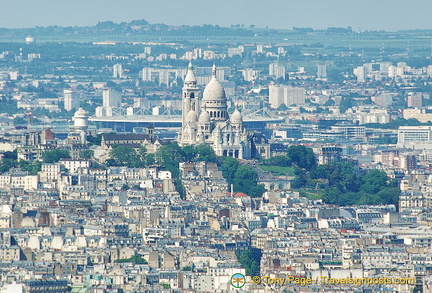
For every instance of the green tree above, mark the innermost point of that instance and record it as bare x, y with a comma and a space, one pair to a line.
10, 155
229, 169
345, 104
189, 153
204, 152
299, 181
126, 156
282, 107
374, 181
331, 195
95, 140
329, 102
257, 190
87, 154
169, 156
250, 260
32, 167
53, 156
301, 156
134, 259
7, 164
20, 121
8, 105
390, 195
149, 159
245, 180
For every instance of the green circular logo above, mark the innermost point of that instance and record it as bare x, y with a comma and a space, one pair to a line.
238, 280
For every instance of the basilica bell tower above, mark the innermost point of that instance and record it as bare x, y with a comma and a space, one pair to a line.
190, 94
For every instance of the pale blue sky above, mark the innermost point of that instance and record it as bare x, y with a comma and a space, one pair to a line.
366, 14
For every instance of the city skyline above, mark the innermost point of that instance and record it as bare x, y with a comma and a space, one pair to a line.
386, 15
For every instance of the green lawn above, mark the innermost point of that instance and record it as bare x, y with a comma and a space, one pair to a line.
311, 194
278, 170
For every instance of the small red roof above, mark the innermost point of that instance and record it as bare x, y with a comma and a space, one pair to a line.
238, 194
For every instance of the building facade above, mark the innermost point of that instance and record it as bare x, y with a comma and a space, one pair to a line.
71, 100
210, 122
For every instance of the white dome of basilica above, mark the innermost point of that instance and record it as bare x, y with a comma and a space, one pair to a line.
214, 91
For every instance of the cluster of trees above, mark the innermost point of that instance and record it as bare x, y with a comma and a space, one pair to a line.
10, 160
128, 156
394, 124
302, 157
53, 156
95, 140
250, 259
169, 156
346, 187
32, 167
243, 178
9, 105
339, 182
297, 155
134, 259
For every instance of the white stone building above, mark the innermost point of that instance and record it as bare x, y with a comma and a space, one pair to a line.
213, 125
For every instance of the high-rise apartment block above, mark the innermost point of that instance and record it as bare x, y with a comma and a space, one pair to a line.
321, 71
277, 70
287, 95
71, 100
250, 74
415, 100
111, 98
117, 71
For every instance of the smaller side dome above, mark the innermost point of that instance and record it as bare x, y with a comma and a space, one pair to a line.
204, 117
191, 116
236, 117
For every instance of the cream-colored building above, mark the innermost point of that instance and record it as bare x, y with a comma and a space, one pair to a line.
213, 125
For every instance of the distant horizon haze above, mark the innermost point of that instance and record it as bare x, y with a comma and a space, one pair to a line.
279, 14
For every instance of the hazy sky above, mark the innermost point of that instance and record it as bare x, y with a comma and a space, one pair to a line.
366, 14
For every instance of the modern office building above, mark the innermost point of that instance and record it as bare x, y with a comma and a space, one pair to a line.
415, 137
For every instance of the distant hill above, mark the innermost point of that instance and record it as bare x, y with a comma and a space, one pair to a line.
135, 27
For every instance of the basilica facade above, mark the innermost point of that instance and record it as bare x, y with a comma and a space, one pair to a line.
207, 121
